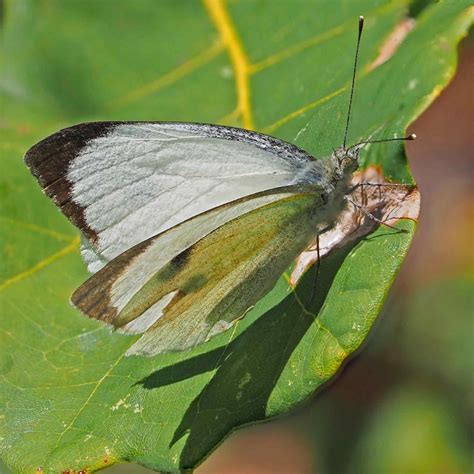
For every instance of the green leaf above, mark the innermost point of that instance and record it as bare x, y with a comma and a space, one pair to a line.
69, 397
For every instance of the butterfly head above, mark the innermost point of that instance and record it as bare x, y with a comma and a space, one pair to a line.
346, 159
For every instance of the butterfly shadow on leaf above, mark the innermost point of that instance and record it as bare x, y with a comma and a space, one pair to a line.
247, 369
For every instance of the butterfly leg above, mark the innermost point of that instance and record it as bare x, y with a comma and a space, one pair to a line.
371, 216
378, 185
318, 267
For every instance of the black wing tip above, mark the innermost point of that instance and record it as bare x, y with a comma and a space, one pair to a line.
76, 136
49, 161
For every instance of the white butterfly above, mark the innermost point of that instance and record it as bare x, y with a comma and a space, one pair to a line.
186, 226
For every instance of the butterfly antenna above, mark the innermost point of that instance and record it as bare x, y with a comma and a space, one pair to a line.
361, 26
410, 137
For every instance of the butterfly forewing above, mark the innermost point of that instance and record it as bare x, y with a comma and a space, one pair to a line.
123, 182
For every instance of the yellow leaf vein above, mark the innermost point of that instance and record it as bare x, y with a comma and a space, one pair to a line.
220, 17
36, 228
169, 78
84, 405
40, 265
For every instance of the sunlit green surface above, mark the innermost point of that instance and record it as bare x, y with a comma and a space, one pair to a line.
71, 399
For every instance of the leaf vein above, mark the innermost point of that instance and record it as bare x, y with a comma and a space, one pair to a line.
39, 229
40, 265
84, 405
316, 40
168, 79
220, 17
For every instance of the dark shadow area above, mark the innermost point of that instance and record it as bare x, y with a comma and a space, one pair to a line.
247, 369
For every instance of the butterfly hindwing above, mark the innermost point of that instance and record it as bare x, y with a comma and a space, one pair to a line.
106, 294
204, 288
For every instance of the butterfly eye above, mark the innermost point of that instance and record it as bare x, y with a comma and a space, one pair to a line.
339, 153
353, 154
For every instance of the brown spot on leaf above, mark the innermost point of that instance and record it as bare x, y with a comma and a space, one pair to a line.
24, 129
393, 42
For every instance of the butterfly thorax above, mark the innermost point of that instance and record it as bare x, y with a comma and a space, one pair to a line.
331, 175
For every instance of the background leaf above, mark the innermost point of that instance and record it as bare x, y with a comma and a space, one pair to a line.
70, 398
411, 417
